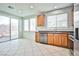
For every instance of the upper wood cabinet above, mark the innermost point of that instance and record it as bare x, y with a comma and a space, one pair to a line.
40, 20
50, 38
37, 37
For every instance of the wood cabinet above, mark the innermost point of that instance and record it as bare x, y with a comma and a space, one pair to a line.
64, 40
37, 36
57, 39
40, 20
70, 43
50, 38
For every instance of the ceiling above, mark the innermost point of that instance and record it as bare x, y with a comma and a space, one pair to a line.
26, 9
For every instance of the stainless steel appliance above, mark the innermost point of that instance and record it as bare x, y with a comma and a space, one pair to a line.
43, 37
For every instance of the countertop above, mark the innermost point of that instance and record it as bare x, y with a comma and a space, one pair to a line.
55, 29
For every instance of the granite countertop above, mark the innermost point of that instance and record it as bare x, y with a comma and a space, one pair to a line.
56, 29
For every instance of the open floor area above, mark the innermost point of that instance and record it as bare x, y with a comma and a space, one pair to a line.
27, 47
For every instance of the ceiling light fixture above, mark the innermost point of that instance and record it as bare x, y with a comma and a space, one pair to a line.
31, 6
20, 11
55, 7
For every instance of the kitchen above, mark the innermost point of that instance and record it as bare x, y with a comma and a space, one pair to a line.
56, 27
37, 29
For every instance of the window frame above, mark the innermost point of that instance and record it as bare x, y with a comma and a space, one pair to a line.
24, 25
56, 20
29, 23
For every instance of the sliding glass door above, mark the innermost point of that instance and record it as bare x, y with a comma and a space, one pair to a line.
4, 28
8, 28
14, 28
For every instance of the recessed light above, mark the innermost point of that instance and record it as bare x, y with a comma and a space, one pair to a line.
31, 6
55, 6
19, 11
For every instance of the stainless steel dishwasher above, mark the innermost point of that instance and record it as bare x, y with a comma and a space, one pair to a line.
43, 37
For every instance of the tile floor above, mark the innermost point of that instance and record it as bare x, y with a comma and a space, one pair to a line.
26, 47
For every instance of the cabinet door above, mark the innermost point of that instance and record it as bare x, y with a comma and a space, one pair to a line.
37, 36
64, 40
70, 43
57, 39
40, 20
50, 38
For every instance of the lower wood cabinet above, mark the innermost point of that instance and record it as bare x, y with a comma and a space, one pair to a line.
50, 38
37, 37
64, 40
71, 43
57, 39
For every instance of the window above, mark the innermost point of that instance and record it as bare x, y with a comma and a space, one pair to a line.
76, 15
8, 28
57, 21
26, 25
14, 28
51, 21
32, 24
76, 18
62, 20
4, 28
